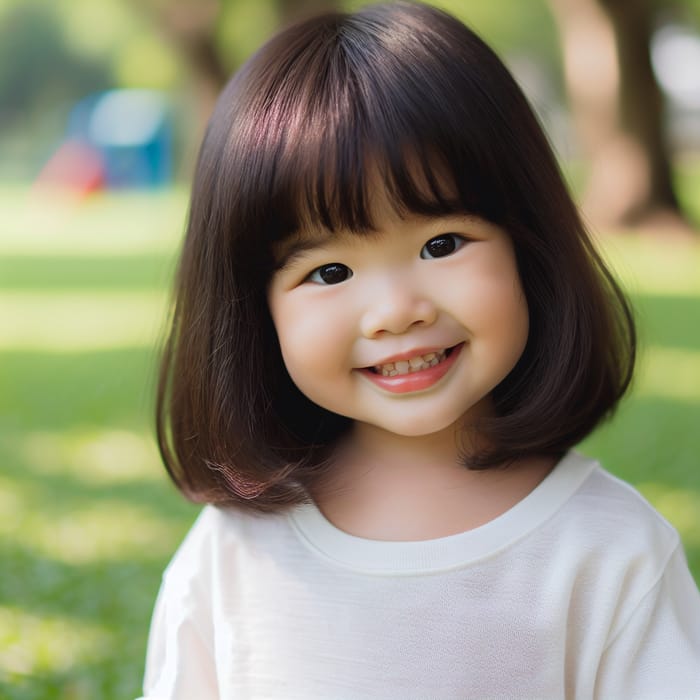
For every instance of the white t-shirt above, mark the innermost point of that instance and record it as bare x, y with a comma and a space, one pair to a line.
579, 591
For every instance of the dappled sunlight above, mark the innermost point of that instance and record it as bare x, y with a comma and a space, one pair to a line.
106, 531
30, 644
13, 503
95, 457
670, 373
69, 322
679, 506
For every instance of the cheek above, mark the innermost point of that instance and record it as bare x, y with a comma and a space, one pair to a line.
311, 341
499, 318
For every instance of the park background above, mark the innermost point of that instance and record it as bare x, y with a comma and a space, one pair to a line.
88, 518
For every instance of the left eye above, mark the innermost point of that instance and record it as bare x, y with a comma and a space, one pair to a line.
440, 246
333, 273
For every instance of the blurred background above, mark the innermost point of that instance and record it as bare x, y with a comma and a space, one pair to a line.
102, 106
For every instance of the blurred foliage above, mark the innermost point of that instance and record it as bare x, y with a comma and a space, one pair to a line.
53, 52
62, 51
509, 25
242, 27
39, 65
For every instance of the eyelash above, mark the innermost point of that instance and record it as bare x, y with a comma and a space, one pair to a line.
457, 241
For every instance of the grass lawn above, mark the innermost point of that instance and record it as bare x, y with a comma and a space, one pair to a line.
88, 517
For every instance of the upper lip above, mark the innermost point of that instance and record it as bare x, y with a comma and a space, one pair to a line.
417, 352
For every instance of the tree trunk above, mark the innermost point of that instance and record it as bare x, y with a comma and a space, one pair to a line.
189, 25
618, 111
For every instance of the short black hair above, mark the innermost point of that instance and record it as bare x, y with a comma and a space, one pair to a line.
405, 90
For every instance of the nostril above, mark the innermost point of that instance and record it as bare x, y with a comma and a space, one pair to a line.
397, 312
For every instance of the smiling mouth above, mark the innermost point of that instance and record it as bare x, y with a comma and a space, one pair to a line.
413, 364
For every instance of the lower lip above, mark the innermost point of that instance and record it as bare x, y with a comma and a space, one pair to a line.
414, 381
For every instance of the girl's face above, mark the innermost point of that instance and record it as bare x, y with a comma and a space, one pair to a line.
408, 329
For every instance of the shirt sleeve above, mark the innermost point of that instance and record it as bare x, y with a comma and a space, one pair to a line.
180, 660
656, 653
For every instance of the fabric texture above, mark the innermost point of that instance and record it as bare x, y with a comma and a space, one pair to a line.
579, 591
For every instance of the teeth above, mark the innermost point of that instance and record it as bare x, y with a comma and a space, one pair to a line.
414, 364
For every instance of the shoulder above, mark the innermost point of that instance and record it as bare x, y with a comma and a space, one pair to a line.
609, 550
612, 538
585, 507
221, 536
617, 514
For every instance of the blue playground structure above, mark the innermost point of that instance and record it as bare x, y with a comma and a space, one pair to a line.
115, 139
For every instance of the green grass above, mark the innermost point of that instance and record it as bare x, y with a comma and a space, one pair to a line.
88, 517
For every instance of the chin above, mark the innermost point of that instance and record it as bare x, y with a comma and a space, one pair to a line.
416, 426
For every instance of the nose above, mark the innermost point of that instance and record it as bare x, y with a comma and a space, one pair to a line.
395, 308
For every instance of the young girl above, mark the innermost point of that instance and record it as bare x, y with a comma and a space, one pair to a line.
390, 330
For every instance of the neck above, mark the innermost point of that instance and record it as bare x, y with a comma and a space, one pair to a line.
387, 486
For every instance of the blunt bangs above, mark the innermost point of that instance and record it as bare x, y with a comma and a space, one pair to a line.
334, 106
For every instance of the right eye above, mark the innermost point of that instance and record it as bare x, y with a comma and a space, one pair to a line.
333, 273
441, 246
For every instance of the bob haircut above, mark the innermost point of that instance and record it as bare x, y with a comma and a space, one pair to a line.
406, 91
